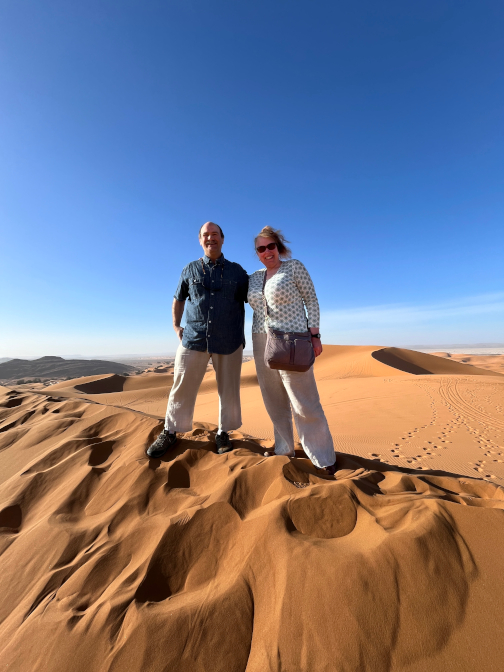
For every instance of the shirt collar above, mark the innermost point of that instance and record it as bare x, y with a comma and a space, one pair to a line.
217, 262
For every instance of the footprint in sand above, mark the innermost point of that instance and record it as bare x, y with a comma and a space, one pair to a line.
325, 517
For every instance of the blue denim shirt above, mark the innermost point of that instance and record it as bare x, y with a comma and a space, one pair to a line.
215, 310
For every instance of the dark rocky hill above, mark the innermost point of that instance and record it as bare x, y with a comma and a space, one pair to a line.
57, 367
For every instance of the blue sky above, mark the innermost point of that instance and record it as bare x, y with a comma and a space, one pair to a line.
370, 133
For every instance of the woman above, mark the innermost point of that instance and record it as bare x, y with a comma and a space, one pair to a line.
288, 289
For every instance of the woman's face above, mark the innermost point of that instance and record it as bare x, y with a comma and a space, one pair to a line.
269, 258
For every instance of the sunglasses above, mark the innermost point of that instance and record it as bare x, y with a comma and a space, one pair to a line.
263, 248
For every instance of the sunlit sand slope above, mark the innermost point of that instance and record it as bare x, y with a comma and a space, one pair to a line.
489, 362
443, 419
110, 562
371, 361
149, 392
418, 363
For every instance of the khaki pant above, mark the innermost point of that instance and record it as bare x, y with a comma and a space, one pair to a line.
190, 367
289, 392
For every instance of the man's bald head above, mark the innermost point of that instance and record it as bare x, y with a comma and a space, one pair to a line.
213, 224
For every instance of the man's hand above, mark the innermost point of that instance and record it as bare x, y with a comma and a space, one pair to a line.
177, 312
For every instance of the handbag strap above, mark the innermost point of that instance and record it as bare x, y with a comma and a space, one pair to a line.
265, 302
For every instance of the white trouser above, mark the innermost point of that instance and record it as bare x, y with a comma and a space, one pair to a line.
289, 392
190, 367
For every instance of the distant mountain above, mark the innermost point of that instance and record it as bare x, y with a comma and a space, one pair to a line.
57, 367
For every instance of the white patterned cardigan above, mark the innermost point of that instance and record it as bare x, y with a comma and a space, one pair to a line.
288, 292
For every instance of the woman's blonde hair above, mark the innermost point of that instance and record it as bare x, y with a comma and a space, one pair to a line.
277, 236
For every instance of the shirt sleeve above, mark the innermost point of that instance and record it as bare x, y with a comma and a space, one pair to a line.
182, 291
244, 285
305, 286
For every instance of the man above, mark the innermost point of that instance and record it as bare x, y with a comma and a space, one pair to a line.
216, 290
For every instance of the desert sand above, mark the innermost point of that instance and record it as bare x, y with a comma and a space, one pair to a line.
111, 562
490, 362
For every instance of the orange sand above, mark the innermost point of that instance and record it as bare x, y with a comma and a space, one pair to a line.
111, 562
490, 362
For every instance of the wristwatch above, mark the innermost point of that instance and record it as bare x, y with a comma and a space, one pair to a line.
316, 336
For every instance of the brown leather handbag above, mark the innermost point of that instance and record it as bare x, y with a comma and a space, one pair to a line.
287, 350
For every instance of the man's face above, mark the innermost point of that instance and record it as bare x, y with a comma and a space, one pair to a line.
211, 240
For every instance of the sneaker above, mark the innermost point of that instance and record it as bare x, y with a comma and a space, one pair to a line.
162, 444
223, 443
332, 469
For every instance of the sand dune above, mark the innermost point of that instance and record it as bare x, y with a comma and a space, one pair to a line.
374, 409
419, 363
111, 562
107, 383
489, 362
372, 361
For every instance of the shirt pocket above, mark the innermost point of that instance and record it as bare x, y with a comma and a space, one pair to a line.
229, 289
196, 290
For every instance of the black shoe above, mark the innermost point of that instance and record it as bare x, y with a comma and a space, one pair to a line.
162, 444
332, 469
223, 443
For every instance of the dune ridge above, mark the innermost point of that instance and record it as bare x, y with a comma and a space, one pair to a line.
489, 362
374, 409
112, 562
420, 363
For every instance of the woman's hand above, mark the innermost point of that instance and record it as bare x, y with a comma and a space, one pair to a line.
317, 346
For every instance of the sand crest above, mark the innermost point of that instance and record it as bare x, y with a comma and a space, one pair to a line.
490, 362
111, 562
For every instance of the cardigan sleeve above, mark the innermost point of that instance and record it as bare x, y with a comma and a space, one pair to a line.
305, 286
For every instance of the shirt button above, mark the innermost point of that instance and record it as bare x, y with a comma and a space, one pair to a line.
211, 294
211, 307
209, 321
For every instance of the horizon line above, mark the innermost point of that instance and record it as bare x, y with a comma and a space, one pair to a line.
423, 346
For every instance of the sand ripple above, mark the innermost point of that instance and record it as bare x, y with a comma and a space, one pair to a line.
113, 562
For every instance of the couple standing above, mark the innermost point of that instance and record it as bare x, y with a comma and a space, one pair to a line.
216, 290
